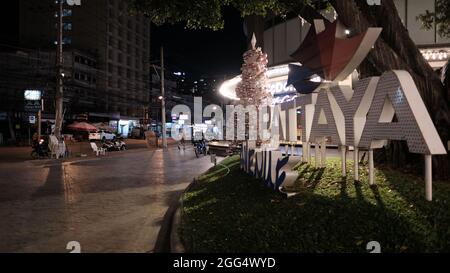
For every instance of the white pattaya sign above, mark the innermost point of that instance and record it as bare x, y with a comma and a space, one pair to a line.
376, 110
362, 116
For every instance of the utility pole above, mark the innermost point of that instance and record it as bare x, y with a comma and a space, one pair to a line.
59, 96
146, 118
39, 118
163, 102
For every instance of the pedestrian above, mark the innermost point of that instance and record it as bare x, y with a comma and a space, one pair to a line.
182, 142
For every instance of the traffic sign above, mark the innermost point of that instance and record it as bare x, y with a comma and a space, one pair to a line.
32, 119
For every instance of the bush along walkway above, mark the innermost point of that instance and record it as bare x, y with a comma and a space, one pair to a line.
233, 212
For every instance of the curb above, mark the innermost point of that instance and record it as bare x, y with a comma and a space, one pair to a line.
162, 244
176, 246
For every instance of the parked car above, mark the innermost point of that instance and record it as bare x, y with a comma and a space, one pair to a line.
102, 135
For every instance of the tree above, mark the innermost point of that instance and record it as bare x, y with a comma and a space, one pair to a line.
393, 50
200, 13
440, 18
252, 90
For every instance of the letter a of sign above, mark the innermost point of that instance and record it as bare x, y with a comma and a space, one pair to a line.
413, 122
324, 124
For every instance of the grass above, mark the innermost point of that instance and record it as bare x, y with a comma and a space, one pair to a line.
233, 212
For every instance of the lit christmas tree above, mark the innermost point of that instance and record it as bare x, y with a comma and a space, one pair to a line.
252, 89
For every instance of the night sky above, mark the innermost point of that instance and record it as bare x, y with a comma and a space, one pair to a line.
202, 53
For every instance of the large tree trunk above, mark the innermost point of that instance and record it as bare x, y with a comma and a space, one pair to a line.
395, 50
446, 78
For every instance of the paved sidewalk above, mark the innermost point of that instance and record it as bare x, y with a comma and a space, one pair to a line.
108, 204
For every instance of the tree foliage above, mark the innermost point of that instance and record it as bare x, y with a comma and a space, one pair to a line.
199, 14
439, 17
208, 13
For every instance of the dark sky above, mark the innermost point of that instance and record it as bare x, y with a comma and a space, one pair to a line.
202, 52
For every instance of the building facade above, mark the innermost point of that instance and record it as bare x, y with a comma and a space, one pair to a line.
22, 70
282, 37
106, 58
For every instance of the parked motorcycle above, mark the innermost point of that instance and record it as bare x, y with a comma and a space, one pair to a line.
116, 145
200, 148
40, 149
120, 144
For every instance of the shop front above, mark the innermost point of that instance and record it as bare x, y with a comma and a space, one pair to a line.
125, 126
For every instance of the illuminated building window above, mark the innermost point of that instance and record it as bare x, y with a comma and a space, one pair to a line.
67, 26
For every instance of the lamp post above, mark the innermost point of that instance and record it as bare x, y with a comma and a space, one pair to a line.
163, 103
59, 96
59, 92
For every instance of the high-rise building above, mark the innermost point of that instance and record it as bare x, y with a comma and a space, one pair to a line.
104, 28
106, 57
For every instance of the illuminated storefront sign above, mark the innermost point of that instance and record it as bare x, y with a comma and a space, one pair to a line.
279, 87
32, 101
276, 83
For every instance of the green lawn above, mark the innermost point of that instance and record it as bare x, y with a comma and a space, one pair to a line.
232, 212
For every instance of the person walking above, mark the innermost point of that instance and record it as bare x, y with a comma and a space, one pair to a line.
182, 142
